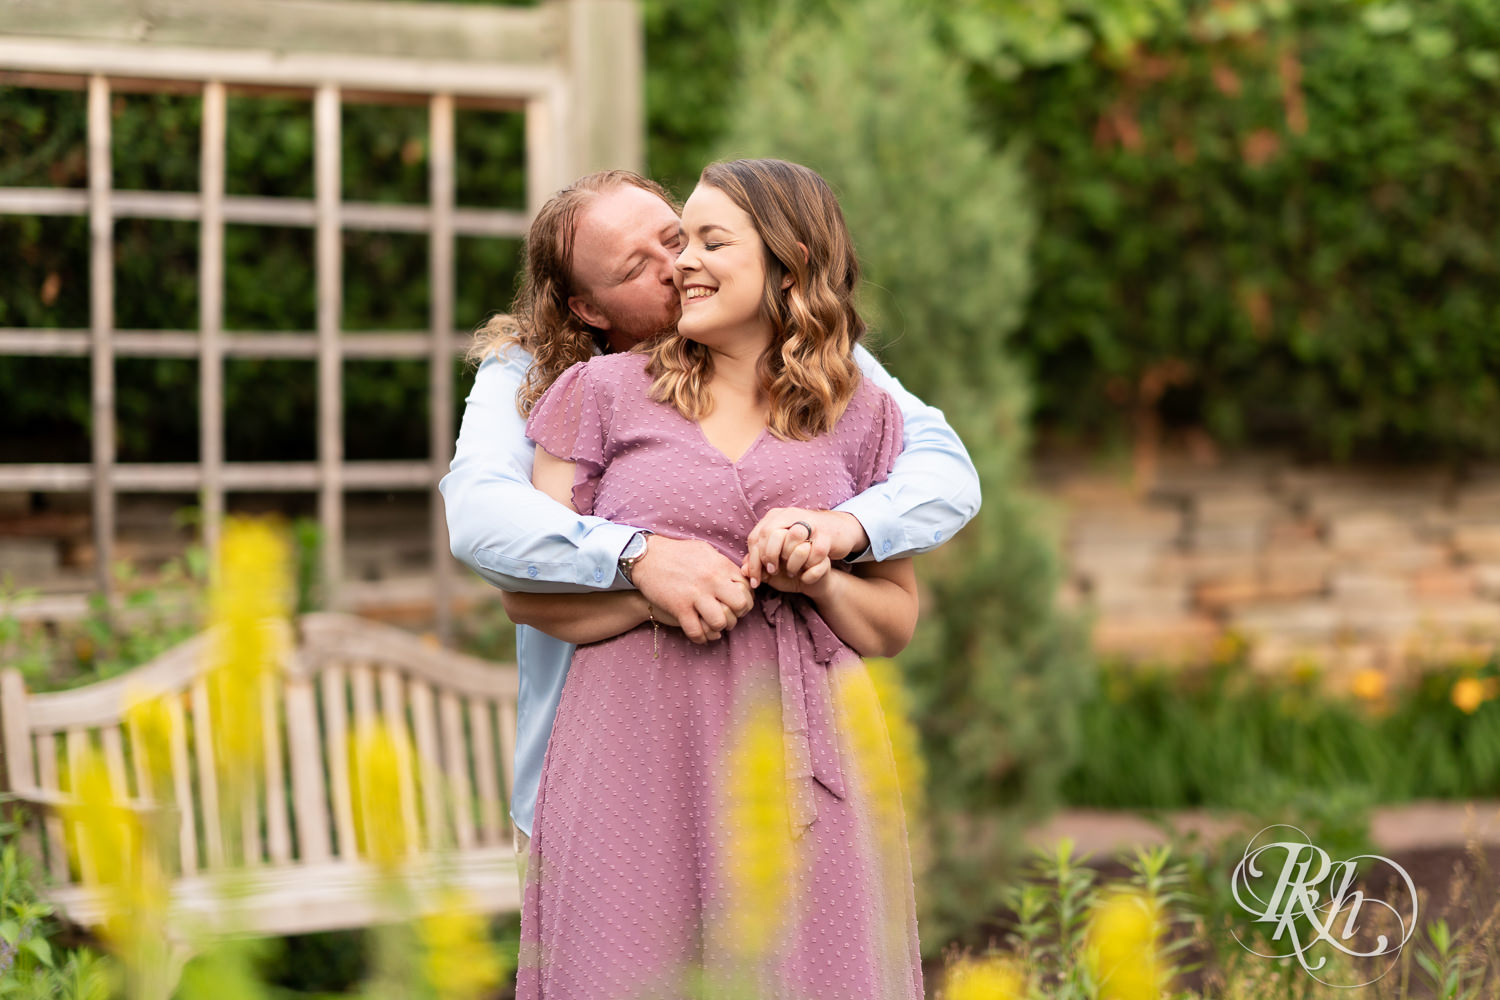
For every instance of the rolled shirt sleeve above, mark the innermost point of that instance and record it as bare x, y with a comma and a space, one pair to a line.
510, 533
933, 490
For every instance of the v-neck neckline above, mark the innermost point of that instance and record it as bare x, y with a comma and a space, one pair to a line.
720, 452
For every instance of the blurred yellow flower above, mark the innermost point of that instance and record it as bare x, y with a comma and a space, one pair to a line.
111, 846
762, 855
1369, 684
250, 594
1305, 669
1122, 943
1229, 647
458, 959
149, 723
911, 770
988, 978
1471, 692
379, 827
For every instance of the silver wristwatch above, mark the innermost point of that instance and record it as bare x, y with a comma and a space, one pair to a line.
631, 554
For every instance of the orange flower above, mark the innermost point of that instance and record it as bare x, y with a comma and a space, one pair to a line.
1471, 692
1368, 685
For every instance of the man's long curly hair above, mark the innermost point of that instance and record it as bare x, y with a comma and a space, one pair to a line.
808, 372
540, 320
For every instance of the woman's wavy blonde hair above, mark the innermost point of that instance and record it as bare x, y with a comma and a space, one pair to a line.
540, 320
808, 371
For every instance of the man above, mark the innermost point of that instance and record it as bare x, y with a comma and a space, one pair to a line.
598, 276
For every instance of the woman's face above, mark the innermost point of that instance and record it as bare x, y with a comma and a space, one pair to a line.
721, 274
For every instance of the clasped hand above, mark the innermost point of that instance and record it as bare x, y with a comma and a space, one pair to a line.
688, 583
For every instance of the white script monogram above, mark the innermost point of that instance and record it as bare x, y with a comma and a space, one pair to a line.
1311, 930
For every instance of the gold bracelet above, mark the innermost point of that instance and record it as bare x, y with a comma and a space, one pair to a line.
655, 632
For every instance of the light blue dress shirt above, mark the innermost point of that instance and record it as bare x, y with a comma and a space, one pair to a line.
520, 539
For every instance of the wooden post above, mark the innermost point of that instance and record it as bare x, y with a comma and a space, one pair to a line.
211, 316
330, 267
101, 326
440, 397
606, 67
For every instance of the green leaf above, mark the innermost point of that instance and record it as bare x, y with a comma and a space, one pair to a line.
41, 949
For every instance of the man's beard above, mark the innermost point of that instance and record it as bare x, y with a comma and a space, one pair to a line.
646, 342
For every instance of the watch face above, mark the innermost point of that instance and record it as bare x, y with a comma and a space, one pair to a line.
635, 548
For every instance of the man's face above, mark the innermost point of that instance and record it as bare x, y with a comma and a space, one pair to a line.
623, 251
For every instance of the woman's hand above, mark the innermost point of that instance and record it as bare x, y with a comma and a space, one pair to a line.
800, 574
793, 541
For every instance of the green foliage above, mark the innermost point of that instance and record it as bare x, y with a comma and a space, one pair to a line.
863, 95
1049, 941
31, 968
1267, 219
1224, 737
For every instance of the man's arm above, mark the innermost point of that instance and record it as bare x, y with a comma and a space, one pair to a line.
500, 526
933, 489
932, 492
520, 539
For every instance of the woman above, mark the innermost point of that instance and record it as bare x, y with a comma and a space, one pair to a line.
754, 403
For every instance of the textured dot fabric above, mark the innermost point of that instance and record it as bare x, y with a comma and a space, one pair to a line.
652, 875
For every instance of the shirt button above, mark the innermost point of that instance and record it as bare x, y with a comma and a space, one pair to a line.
598, 575
531, 571
885, 546
937, 536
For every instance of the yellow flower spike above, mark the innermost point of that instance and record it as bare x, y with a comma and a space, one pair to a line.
458, 960
376, 790
251, 591
988, 978
1122, 943
1468, 694
150, 723
113, 853
1368, 685
762, 857
911, 770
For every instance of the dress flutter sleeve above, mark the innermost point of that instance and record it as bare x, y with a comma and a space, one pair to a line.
570, 422
881, 444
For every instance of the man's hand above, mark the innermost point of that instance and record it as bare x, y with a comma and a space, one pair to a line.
778, 545
692, 582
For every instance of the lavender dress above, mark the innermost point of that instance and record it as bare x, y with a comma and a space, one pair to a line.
630, 891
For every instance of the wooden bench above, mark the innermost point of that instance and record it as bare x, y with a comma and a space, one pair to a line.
302, 868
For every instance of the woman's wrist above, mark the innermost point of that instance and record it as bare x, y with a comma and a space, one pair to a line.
827, 588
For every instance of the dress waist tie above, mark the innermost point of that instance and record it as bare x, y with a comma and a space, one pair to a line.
805, 648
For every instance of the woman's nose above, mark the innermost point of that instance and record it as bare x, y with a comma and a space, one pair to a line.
686, 261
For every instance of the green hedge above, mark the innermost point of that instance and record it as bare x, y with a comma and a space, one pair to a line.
1276, 221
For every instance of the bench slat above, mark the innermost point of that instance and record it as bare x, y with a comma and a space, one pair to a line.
208, 778
308, 801
336, 743
508, 750
393, 708
456, 766
52, 825
484, 772
429, 774
77, 747
182, 788
278, 833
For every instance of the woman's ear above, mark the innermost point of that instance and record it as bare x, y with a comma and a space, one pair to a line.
788, 281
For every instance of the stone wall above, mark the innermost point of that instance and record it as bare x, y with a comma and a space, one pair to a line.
1345, 568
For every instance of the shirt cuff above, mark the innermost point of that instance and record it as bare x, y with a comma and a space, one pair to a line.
887, 536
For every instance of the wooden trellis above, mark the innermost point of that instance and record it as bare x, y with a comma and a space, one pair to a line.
572, 66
